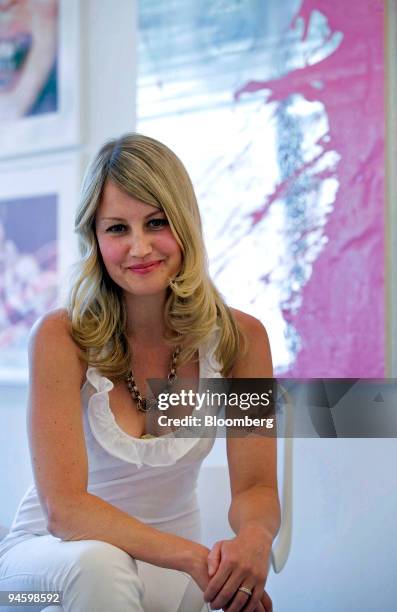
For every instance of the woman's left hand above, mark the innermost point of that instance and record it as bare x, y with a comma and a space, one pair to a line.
241, 561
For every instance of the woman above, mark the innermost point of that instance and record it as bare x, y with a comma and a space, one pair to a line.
112, 520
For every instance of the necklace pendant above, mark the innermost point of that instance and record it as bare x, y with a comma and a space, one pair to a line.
145, 405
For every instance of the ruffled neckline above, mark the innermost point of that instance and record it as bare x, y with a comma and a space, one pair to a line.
157, 451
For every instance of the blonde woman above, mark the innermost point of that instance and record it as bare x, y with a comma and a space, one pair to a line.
112, 520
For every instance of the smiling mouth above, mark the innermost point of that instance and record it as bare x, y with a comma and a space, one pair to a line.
146, 269
13, 54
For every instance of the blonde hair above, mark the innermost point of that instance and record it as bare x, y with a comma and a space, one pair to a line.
148, 171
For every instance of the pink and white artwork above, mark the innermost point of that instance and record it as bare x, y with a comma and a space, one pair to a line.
276, 110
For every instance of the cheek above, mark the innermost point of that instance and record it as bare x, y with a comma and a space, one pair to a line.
166, 241
111, 251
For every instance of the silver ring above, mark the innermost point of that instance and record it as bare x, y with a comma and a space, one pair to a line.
245, 590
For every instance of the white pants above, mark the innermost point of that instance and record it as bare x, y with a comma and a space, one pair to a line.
93, 576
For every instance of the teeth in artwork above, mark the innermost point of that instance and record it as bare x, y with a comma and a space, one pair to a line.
13, 53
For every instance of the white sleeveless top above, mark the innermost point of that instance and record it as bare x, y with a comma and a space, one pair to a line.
153, 479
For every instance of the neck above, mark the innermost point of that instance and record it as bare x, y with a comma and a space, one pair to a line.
145, 319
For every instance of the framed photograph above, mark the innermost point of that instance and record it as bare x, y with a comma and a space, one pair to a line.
40, 76
37, 247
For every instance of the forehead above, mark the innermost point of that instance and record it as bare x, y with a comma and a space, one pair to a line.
116, 202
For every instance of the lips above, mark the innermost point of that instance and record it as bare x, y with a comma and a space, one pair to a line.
150, 264
145, 268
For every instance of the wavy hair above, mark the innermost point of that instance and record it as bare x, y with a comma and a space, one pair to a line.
148, 171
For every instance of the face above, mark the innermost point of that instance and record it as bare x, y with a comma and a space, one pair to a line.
132, 234
28, 46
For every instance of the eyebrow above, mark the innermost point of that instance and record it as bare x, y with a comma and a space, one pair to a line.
156, 212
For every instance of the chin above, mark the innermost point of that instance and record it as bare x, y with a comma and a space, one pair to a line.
146, 291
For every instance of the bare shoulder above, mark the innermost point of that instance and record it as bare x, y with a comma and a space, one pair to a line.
251, 326
53, 323
247, 321
54, 316
51, 335
257, 362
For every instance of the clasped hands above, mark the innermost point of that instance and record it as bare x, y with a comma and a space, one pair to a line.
240, 561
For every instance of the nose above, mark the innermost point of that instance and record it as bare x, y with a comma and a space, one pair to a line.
140, 245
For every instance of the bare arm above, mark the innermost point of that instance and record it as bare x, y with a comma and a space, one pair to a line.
253, 460
88, 517
254, 512
59, 458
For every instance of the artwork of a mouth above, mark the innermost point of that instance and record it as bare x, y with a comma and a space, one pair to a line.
13, 54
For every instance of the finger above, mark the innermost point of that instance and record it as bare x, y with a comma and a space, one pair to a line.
231, 598
255, 599
217, 582
237, 602
266, 602
214, 559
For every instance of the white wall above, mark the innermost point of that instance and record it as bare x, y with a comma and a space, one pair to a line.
15, 470
108, 75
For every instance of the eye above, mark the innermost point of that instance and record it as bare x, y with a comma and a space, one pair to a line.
116, 229
157, 223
